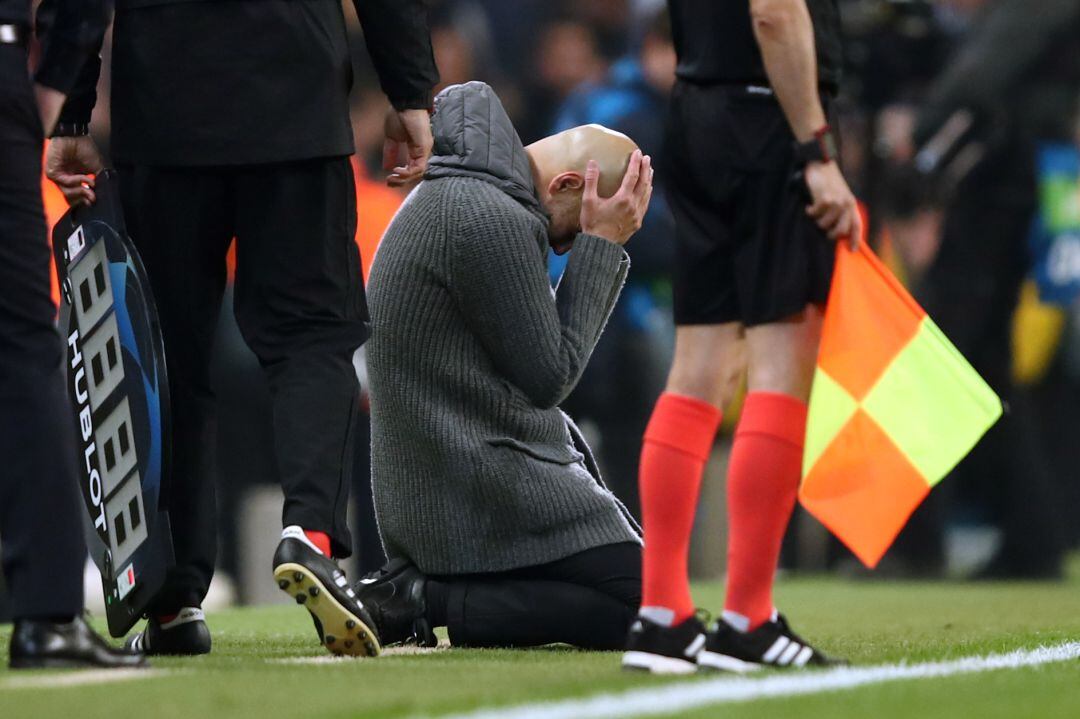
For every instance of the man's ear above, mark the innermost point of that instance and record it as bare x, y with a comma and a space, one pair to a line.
566, 182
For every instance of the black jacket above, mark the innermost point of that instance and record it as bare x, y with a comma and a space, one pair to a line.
205, 82
71, 31
1018, 65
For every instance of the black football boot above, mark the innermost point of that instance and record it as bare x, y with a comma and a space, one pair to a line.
394, 596
186, 634
342, 621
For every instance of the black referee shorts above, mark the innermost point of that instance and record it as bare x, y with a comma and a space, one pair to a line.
746, 250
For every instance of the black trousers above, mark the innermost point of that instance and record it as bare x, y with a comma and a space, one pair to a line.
369, 548
41, 526
299, 303
587, 599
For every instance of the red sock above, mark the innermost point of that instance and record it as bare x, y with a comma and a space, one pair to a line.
677, 444
320, 540
763, 479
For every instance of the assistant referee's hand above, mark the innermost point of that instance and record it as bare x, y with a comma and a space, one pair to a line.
833, 204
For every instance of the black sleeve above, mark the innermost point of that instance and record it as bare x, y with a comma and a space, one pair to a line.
399, 42
71, 34
1011, 37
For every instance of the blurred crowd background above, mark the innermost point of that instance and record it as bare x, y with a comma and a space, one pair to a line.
959, 131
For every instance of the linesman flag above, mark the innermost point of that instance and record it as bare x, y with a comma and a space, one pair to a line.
894, 408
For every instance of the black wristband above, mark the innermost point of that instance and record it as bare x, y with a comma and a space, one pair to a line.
822, 148
71, 129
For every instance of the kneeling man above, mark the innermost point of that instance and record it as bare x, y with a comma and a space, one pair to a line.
489, 503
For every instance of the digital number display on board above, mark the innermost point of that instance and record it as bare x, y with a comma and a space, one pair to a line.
116, 379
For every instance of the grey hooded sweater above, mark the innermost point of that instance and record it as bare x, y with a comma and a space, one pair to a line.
474, 468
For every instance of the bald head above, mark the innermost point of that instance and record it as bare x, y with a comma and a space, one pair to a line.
558, 169
570, 150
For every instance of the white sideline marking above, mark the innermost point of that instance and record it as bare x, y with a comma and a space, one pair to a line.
409, 650
683, 696
328, 659
387, 652
79, 677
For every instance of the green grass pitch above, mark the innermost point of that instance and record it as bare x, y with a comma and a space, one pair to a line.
868, 622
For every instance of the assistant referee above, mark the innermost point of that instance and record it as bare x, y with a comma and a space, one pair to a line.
41, 517
758, 197
230, 118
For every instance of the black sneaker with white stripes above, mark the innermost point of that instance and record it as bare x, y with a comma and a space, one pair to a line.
186, 634
658, 649
773, 644
316, 582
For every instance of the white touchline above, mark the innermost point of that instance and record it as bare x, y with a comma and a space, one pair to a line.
386, 652
687, 695
79, 678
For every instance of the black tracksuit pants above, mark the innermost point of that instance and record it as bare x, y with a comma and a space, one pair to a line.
41, 523
587, 599
299, 302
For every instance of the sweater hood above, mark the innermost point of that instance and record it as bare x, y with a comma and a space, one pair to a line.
475, 138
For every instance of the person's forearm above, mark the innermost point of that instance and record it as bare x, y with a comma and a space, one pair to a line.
71, 34
83, 97
997, 54
785, 34
399, 42
49, 103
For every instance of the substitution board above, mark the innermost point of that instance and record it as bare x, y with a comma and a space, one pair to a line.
117, 382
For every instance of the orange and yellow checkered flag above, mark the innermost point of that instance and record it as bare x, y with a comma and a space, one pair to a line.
894, 408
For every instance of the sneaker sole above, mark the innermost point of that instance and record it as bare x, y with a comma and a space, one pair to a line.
344, 633
657, 663
724, 663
